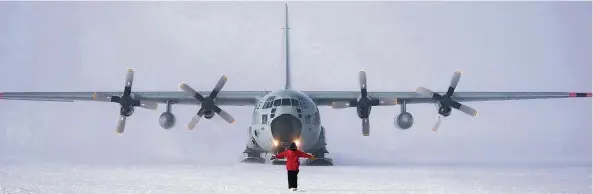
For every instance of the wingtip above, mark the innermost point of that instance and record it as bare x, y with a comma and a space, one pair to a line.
458, 71
579, 94
130, 69
365, 134
225, 77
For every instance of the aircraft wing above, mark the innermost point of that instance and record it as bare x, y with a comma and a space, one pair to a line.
146, 99
326, 98
224, 98
249, 98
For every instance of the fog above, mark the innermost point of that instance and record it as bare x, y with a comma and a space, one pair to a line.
499, 46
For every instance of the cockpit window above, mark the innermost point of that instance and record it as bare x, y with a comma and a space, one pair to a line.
277, 102
286, 102
295, 102
304, 104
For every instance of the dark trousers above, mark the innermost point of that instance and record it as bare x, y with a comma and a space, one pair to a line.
292, 178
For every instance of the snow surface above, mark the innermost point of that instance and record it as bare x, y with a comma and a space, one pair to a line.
266, 178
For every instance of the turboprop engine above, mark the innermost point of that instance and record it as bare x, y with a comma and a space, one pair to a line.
364, 103
446, 102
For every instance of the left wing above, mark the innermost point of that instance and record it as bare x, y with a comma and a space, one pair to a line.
448, 100
329, 98
342, 99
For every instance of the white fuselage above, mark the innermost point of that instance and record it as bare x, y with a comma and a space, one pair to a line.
283, 117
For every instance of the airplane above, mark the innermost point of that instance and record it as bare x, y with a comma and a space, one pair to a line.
286, 115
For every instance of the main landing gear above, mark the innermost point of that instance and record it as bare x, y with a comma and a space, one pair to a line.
253, 157
320, 160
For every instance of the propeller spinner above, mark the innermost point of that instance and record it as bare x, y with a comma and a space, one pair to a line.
364, 103
446, 101
208, 104
126, 101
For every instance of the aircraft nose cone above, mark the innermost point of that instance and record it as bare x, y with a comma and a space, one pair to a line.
286, 128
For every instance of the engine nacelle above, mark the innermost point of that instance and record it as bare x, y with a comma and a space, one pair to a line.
208, 114
404, 121
363, 112
126, 111
445, 110
167, 120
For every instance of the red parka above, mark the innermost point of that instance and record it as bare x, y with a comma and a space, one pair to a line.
292, 158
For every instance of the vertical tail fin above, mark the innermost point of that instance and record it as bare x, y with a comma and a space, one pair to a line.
288, 84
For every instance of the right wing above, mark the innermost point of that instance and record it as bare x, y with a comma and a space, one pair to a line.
209, 101
150, 99
224, 98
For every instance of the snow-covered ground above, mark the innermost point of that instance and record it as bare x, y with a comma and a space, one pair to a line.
254, 178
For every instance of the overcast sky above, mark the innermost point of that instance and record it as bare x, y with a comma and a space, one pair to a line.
499, 46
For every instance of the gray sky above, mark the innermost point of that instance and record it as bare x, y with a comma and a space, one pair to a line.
499, 46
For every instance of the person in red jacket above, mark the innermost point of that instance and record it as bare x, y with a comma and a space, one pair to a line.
292, 163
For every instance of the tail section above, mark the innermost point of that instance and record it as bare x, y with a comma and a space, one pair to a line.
288, 84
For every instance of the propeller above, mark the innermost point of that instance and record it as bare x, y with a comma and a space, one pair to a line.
208, 104
364, 103
446, 101
126, 101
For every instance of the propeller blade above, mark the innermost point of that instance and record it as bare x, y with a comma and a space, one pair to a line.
438, 123
121, 124
341, 104
464, 108
102, 97
187, 89
194, 121
454, 82
129, 81
149, 105
362, 79
366, 127
218, 86
226, 116
425, 92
